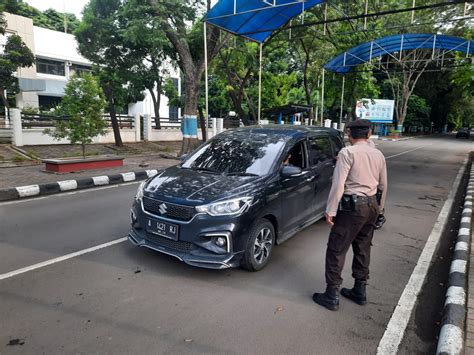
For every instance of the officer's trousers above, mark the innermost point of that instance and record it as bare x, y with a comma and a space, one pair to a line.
354, 228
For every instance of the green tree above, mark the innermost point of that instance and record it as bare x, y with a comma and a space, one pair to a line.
182, 24
100, 43
84, 103
15, 55
125, 42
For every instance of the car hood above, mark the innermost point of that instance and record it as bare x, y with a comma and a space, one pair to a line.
189, 186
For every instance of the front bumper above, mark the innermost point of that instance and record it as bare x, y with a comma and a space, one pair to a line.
193, 246
199, 259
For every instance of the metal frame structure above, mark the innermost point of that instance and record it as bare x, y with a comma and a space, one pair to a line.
269, 32
440, 46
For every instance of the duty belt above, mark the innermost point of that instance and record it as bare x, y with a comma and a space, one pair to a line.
361, 199
349, 202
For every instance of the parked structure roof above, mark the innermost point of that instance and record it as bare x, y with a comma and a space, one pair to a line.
365, 52
256, 19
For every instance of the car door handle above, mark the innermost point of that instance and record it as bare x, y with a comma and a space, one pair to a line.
311, 178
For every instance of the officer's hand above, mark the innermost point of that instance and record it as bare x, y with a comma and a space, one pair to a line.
329, 219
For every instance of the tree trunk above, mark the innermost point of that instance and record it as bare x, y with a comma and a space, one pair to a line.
83, 146
156, 107
191, 98
203, 124
4, 99
237, 101
113, 117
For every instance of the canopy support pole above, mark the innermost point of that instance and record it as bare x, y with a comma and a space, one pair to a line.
260, 85
325, 17
366, 11
342, 100
413, 12
207, 77
322, 100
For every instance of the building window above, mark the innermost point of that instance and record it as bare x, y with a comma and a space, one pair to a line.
52, 67
48, 102
174, 111
78, 69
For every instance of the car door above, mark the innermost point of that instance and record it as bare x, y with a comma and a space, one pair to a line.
297, 192
322, 162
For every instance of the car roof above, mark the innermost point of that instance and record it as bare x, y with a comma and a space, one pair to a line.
290, 131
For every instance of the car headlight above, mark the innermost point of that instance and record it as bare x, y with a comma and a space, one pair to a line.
235, 206
139, 194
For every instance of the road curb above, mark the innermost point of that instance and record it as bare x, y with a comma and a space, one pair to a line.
29, 191
451, 336
396, 327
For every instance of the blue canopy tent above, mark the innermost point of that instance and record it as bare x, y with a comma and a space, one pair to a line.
350, 59
255, 20
363, 53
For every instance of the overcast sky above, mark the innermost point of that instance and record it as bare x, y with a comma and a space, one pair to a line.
72, 6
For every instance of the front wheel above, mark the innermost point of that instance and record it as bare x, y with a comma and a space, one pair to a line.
259, 246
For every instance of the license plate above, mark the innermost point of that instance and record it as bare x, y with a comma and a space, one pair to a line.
163, 229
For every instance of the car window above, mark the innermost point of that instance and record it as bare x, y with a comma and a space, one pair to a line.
237, 153
320, 150
296, 156
336, 145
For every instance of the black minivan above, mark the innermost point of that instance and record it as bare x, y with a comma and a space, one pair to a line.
237, 196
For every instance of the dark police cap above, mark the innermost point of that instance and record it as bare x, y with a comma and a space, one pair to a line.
359, 124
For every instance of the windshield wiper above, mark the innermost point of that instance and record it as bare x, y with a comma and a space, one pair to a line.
207, 170
242, 173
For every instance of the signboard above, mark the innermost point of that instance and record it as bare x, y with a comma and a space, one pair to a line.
377, 111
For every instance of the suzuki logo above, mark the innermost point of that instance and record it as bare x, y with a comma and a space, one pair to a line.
163, 208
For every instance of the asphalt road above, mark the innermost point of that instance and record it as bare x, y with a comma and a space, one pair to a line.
123, 299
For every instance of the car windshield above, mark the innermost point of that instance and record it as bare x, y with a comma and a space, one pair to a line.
237, 153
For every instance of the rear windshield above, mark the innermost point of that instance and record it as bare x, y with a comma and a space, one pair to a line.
238, 153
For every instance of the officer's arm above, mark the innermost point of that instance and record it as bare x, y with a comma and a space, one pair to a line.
341, 171
383, 185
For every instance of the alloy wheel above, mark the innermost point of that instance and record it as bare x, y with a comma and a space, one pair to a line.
263, 245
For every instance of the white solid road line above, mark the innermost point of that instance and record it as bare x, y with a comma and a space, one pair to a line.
407, 151
401, 316
61, 258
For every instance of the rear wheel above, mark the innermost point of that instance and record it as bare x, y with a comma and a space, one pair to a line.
259, 246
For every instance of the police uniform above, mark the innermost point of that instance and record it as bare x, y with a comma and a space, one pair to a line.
360, 171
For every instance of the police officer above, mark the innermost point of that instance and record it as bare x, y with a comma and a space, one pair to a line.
352, 210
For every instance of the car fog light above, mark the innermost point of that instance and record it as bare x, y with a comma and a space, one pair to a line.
221, 241
132, 216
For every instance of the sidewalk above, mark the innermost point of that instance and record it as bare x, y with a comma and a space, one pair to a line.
137, 157
35, 174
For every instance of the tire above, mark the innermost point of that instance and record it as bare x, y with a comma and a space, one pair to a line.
259, 246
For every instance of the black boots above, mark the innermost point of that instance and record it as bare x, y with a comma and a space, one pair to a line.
356, 294
328, 299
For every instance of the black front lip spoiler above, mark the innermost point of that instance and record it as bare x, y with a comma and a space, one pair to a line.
229, 261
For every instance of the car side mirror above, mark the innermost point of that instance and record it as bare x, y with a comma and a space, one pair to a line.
290, 171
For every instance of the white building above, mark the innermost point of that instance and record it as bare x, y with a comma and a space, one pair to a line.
57, 59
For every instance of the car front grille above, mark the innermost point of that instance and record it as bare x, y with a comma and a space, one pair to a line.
169, 210
171, 244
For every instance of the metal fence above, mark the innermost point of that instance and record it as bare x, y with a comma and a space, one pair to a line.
30, 120
124, 121
174, 123
6, 130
